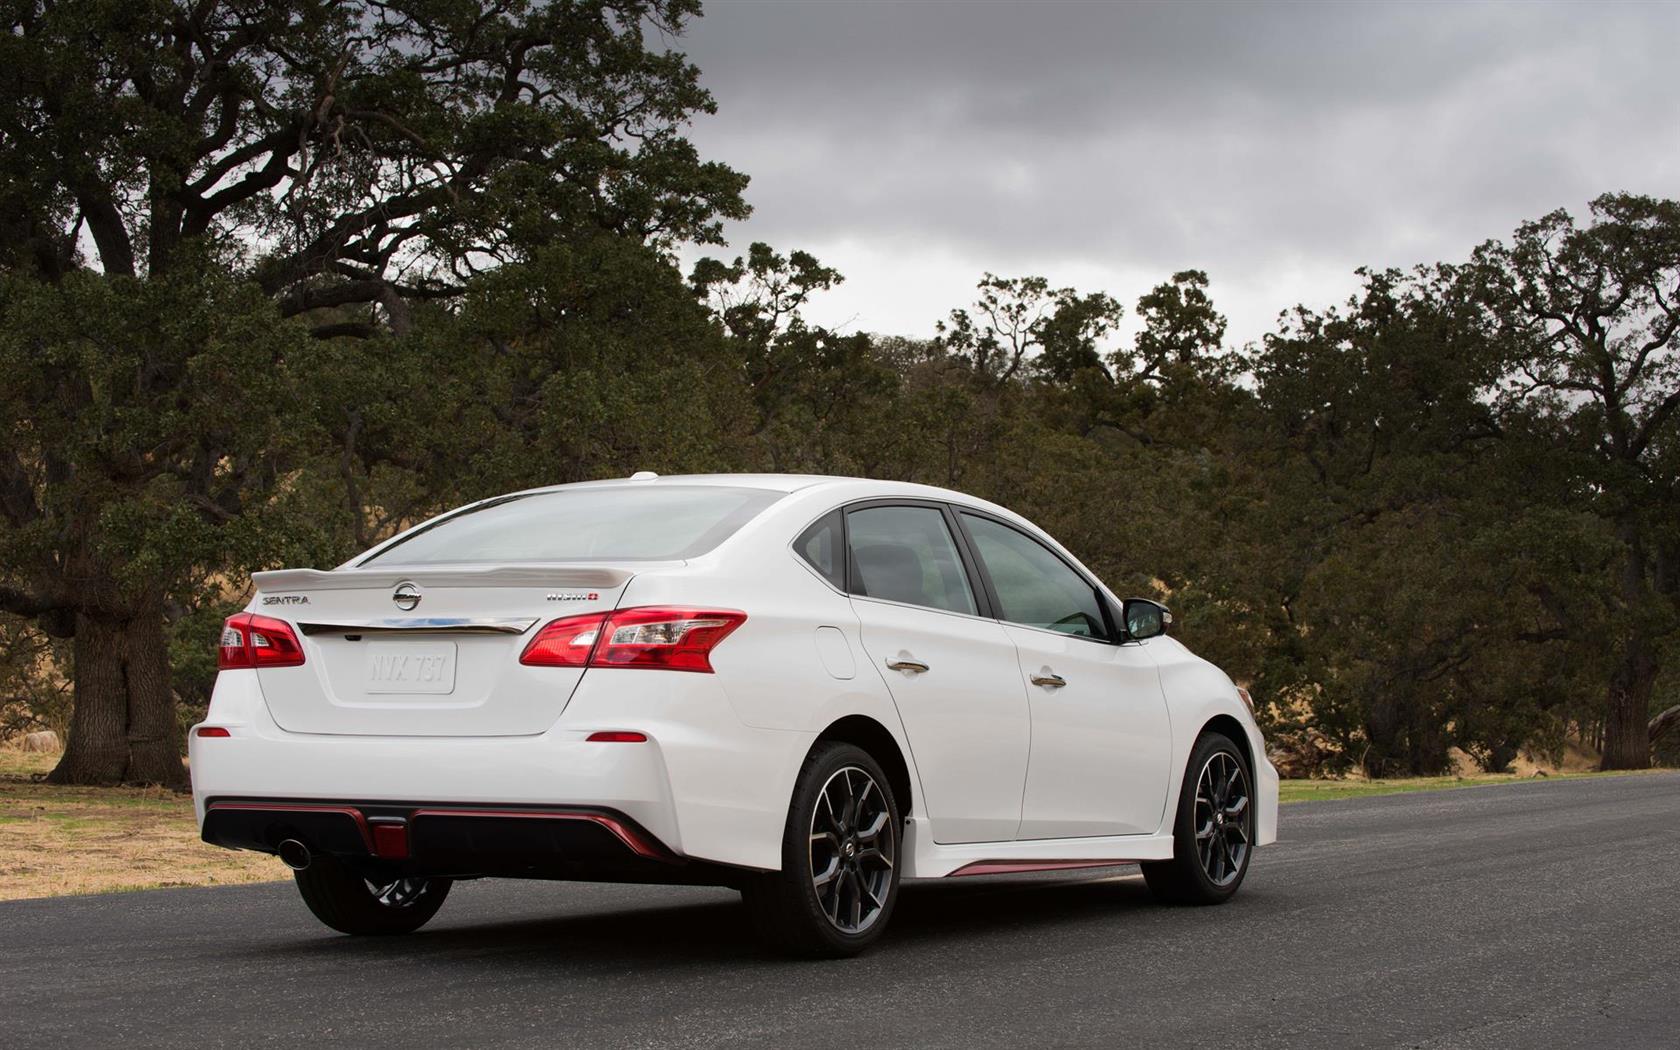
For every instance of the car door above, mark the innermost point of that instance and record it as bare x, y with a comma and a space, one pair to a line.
951, 669
1100, 761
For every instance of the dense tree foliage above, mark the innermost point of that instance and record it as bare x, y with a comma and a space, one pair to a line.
189, 191
278, 279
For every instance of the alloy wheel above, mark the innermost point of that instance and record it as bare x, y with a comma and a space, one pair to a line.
853, 850
399, 894
1224, 818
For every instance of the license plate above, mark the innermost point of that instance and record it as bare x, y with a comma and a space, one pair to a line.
408, 667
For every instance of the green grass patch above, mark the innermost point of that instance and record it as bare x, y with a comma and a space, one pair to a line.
1321, 790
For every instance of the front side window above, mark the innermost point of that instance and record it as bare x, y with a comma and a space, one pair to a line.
1034, 587
906, 554
610, 523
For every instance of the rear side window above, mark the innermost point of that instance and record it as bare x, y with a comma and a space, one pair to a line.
1034, 587
617, 523
820, 545
906, 554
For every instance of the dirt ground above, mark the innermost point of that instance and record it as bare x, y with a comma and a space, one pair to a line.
62, 840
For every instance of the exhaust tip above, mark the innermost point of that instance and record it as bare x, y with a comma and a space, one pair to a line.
294, 854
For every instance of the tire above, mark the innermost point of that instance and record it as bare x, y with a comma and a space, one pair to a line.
346, 902
1210, 855
843, 823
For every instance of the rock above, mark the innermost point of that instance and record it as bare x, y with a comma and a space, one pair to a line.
45, 740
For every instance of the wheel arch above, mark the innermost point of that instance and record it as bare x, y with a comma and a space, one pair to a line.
864, 732
1227, 726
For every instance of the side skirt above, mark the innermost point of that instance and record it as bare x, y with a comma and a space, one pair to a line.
930, 860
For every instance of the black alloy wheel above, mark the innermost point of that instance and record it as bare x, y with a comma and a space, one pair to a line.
1213, 830
349, 903
852, 852
839, 878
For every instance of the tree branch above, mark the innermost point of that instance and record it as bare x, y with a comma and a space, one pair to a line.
22, 603
1662, 723
110, 236
1654, 422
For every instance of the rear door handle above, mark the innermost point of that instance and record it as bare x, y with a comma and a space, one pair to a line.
1049, 681
905, 664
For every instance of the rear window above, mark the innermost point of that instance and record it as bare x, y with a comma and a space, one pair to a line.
656, 523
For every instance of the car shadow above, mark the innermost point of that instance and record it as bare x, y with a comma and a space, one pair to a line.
935, 913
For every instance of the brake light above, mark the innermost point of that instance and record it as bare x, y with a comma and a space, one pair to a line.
659, 638
218, 731
565, 643
671, 639
249, 640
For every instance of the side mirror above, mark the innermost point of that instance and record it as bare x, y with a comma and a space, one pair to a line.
1144, 618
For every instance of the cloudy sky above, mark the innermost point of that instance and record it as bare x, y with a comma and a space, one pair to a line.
1106, 145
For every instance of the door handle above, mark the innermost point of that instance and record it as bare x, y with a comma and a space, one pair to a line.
1049, 681
906, 664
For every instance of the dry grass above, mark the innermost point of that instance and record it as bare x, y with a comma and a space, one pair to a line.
63, 840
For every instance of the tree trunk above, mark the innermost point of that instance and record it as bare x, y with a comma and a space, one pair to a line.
1627, 708
1501, 755
124, 729
1627, 740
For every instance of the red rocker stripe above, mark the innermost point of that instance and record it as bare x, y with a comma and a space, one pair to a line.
1011, 867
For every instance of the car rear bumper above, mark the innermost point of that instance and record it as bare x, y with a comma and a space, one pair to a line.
702, 786
454, 841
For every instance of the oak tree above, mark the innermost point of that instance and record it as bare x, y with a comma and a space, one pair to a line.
193, 186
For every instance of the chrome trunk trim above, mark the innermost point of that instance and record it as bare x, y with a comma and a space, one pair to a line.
436, 624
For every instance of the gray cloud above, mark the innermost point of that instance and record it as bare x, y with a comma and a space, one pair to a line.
1278, 146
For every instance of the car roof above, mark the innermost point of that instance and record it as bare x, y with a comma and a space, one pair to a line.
771, 482
846, 489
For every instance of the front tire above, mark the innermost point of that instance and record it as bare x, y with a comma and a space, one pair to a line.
840, 855
348, 903
1213, 834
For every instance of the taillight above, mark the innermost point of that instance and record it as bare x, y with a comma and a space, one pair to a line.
249, 640
565, 643
668, 639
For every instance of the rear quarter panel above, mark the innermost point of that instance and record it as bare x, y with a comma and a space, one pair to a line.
778, 675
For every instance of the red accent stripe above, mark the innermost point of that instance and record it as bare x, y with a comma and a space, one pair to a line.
636, 843
288, 807
1009, 867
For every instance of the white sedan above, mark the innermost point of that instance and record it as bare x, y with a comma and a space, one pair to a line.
806, 688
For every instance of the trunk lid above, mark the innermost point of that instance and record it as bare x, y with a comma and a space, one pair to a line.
425, 651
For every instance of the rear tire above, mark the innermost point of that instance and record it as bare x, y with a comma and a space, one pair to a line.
840, 858
348, 903
1213, 833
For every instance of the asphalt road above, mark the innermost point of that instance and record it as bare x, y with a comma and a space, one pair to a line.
1533, 915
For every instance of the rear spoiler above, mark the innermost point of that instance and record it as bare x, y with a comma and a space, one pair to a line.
488, 576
